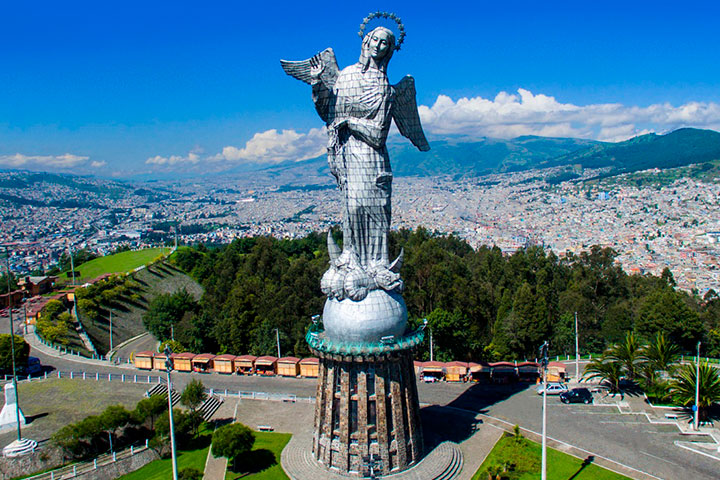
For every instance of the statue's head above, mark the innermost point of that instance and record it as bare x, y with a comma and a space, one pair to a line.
378, 47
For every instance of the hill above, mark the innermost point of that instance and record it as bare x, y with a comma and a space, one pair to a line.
128, 310
122, 262
459, 158
675, 149
454, 157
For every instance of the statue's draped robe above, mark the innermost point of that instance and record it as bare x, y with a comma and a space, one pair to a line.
358, 157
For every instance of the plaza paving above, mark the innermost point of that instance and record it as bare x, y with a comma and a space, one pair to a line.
598, 430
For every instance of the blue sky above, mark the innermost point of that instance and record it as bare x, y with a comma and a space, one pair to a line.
119, 88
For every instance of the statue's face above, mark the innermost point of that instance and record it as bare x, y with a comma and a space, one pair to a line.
379, 45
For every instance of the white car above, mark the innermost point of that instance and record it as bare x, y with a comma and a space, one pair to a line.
553, 388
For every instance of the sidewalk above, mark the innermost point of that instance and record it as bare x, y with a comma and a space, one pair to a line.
35, 343
215, 467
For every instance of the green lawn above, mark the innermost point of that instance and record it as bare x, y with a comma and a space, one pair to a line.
162, 469
524, 458
122, 262
263, 462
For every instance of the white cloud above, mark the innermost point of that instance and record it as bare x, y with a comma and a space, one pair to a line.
98, 164
510, 115
191, 158
64, 161
272, 146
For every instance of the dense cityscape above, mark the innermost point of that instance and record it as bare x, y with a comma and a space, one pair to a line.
652, 227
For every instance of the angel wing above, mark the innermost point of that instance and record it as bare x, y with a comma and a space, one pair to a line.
405, 113
301, 69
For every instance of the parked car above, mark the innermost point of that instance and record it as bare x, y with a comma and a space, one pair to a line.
577, 395
553, 388
34, 367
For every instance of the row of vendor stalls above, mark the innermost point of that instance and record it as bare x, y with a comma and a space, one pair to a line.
229, 364
498, 372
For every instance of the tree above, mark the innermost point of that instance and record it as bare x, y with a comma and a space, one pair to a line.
185, 423
22, 351
150, 408
53, 308
666, 311
115, 417
193, 395
607, 370
628, 354
683, 386
166, 310
661, 354
173, 345
231, 440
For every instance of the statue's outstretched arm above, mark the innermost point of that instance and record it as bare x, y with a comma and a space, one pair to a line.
320, 71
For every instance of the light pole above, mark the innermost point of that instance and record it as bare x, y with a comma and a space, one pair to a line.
431, 345
12, 342
697, 389
544, 360
72, 264
168, 367
111, 345
277, 337
577, 351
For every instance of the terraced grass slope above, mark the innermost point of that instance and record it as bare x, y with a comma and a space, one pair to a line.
122, 262
127, 313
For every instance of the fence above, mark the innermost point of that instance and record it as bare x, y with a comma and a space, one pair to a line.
62, 349
96, 376
275, 397
71, 471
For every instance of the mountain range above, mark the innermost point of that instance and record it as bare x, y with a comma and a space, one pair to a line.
457, 158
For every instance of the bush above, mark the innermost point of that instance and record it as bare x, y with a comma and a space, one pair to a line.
22, 350
190, 473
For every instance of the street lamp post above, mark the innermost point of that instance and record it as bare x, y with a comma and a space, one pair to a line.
277, 337
577, 351
168, 367
431, 345
697, 389
111, 343
72, 264
544, 360
12, 343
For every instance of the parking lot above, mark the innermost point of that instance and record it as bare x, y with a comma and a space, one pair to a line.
627, 438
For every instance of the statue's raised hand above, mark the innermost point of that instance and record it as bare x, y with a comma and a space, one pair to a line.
316, 68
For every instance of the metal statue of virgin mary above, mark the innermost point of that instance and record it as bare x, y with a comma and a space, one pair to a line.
357, 104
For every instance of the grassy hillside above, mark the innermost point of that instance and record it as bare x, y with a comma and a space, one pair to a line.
118, 263
127, 314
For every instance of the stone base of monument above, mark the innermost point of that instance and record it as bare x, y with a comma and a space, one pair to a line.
20, 447
367, 409
9, 413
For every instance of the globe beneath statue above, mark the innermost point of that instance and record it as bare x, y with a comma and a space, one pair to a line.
380, 314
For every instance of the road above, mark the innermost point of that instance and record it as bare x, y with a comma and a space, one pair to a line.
145, 342
602, 430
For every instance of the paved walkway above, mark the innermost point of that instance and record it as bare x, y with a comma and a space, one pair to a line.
215, 467
34, 343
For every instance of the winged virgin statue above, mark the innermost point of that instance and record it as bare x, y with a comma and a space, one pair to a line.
357, 104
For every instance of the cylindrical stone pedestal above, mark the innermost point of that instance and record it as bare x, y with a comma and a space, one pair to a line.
367, 406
